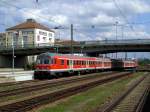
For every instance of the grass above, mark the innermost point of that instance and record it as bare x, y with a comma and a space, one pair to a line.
19, 97
91, 99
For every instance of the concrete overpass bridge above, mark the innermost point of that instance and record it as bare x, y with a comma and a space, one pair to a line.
89, 47
92, 48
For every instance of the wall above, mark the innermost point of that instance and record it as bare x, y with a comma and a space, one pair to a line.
44, 37
34, 36
19, 39
2, 39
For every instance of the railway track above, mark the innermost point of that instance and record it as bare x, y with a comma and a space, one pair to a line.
31, 103
132, 100
48, 84
17, 85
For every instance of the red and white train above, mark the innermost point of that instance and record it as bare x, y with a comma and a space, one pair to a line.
50, 64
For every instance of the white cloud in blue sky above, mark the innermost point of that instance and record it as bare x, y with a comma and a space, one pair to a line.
83, 14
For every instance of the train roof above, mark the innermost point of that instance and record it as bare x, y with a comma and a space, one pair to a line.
65, 55
73, 56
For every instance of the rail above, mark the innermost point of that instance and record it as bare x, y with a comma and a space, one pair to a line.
29, 104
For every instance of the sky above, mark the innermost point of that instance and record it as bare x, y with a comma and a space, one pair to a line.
92, 19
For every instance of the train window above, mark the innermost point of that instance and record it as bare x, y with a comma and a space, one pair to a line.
67, 62
46, 61
53, 61
76, 62
73, 62
62, 62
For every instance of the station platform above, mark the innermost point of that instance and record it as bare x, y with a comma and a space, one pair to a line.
8, 76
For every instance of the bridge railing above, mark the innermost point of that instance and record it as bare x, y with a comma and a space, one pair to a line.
26, 46
78, 43
116, 42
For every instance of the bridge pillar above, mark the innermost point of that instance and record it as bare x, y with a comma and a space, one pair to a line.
21, 61
6, 61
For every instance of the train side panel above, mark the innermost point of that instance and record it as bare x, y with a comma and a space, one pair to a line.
49, 64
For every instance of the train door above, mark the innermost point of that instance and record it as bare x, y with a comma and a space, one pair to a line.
71, 64
87, 64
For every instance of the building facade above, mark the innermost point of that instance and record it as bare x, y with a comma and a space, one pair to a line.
29, 33
2, 39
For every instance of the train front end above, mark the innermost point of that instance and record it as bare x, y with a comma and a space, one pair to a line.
43, 66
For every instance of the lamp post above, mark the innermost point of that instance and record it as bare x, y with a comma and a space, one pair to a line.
56, 49
82, 49
71, 39
13, 60
13, 53
116, 34
122, 32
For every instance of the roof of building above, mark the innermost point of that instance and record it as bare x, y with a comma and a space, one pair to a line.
30, 23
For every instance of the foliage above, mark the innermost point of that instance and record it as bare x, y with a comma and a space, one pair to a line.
29, 66
91, 99
143, 62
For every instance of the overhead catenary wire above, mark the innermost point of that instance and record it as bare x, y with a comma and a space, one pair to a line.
124, 16
84, 27
43, 16
39, 16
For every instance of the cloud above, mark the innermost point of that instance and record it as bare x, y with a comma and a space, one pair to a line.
82, 13
137, 6
60, 19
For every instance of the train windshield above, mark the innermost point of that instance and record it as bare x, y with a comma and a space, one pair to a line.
42, 59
